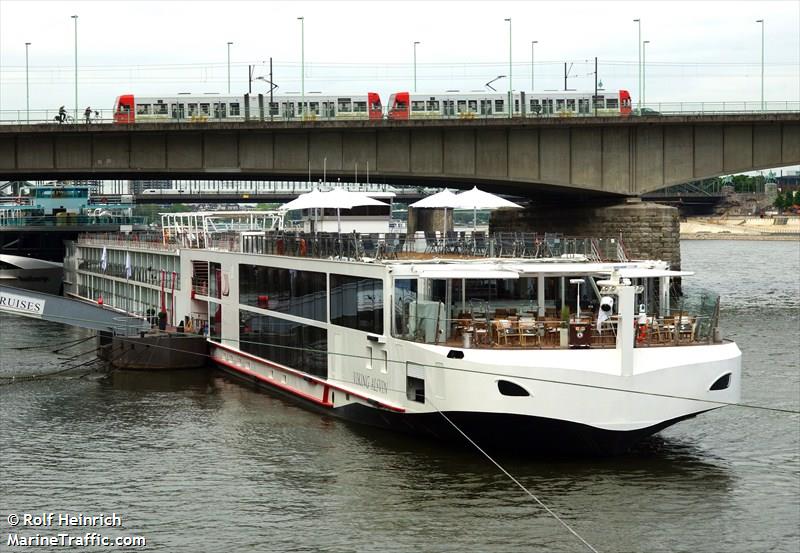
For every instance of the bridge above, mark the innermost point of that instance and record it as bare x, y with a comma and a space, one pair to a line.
604, 156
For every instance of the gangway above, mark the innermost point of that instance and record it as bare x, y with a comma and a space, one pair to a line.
47, 307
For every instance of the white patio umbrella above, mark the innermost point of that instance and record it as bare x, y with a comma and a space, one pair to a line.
476, 199
444, 199
335, 199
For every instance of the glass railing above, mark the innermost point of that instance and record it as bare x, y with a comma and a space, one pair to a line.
70, 220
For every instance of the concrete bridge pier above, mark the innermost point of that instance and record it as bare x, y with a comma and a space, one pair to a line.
648, 230
428, 219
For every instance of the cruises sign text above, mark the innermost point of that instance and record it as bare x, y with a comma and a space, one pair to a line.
21, 304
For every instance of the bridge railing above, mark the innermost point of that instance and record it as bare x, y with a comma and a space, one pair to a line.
711, 108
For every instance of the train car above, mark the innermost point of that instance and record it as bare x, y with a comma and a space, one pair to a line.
406, 105
130, 109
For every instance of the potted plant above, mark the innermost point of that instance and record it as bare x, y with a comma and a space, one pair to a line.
563, 332
162, 320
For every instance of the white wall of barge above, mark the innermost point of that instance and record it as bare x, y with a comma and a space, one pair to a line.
85, 279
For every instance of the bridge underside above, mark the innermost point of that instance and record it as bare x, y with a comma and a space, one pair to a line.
606, 156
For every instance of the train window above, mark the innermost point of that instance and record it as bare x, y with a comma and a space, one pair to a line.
612, 103
274, 108
571, 105
234, 109
516, 105
142, 109
583, 105
328, 109
160, 109
473, 105
433, 105
313, 107
462, 106
417, 105
498, 106
219, 110
360, 107
205, 109
192, 109
343, 104
547, 105
599, 102
176, 110
486, 107
535, 107
448, 107
559, 105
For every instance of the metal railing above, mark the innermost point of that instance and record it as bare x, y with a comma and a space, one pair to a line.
70, 220
150, 241
137, 273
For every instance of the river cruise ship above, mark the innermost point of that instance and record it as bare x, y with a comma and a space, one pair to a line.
523, 342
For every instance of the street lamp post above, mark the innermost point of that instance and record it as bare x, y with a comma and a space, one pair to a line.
75, 18
27, 89
510, 105
639, 49
415, 65
302, 66
644, 70
762, 62
533, 61
229, 67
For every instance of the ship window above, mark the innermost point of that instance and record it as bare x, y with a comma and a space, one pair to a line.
290, 343
357, 303
722, 383
415, 389
511, 389
300, 293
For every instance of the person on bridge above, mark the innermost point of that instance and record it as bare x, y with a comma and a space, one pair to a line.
87, 114
62, 114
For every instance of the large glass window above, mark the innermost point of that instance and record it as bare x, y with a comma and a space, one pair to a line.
357, 303
289, 343
300, 293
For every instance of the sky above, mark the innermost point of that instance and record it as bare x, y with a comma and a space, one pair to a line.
698, 51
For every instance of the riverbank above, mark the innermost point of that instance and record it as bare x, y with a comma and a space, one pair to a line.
741, 228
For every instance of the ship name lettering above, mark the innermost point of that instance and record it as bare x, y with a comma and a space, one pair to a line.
370, 382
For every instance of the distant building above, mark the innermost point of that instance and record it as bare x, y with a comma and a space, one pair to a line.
790, 181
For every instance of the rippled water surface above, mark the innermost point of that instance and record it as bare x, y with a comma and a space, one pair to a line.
195, 462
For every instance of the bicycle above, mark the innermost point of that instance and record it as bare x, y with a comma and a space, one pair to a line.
64, 119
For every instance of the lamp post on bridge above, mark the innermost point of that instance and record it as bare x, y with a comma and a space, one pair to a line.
639, 49
644, 70
415, 64
533, 64
762, 62
75, 19
302, 65
510, 104
27, 90
229, 67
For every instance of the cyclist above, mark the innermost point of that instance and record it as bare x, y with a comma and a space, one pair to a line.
62, 114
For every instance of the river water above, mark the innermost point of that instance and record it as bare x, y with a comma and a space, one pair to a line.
195, 462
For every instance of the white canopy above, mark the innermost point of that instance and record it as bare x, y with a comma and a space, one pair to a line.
335, 199
478, 199
444, 199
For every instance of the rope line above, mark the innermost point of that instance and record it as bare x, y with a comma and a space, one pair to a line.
517, 482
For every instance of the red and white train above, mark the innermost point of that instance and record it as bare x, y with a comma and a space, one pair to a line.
129, 109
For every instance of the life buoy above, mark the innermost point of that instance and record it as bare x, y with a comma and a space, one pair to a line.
642, 336
303, 247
